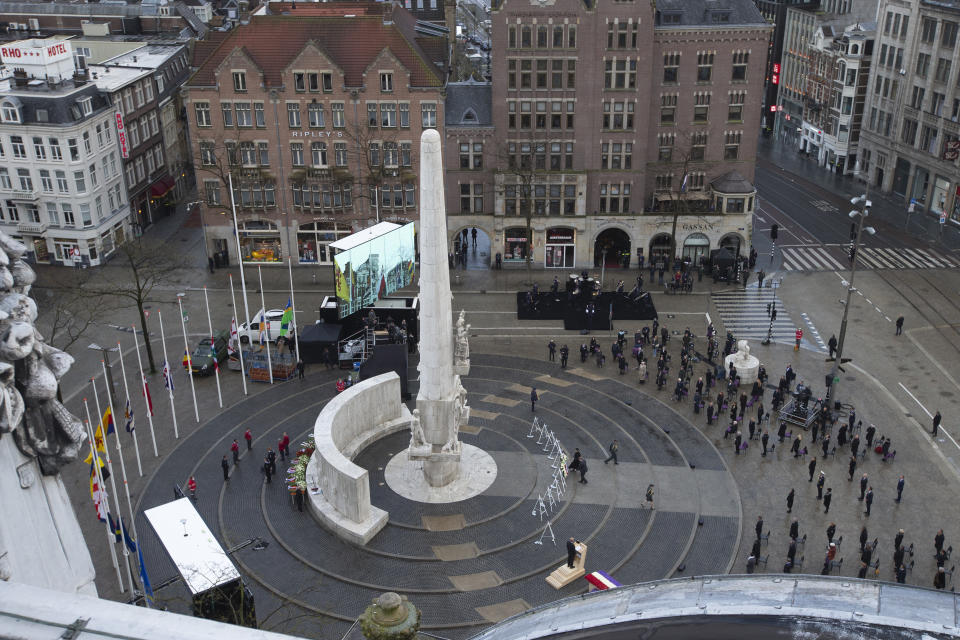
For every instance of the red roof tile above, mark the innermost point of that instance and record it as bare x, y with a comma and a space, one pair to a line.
273, 41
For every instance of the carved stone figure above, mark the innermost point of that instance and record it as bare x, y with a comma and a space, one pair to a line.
43, 437
462, 352
743, 351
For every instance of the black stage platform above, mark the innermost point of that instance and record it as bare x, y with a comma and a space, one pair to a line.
572, 309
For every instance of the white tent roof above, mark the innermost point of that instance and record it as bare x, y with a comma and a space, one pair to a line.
365, 235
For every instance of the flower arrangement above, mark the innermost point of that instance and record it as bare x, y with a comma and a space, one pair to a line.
297, 473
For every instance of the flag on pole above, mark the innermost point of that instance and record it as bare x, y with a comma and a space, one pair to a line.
99, 495
167, 376
186, 359
144, 580
262, 325
127, 538
286, 318
146, 394
115, 527
98, 437
128, 414
234, 338
213, 354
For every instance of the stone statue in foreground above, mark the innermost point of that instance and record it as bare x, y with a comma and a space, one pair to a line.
40, 541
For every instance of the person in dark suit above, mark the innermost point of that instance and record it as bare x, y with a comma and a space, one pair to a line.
533, 398
226, 468
571, 552
582, 468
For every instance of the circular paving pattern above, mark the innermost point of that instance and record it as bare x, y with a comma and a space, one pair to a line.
474, 561
478, 470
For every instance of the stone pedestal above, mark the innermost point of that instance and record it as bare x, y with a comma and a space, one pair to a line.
390, 617
748, 366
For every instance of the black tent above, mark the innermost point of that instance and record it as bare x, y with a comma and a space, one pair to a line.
317, 337
722, 260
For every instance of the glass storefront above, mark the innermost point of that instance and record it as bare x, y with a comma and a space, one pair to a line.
560, 253
941, 187
660, 249
40, 251
260, 242
921, 182
313, 239
516, 244
696, 246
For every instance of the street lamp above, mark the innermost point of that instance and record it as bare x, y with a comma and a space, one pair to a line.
772, 309
106, 360
860, 216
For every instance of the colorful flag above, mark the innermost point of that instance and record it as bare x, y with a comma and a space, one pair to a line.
99, 495
98, 437
144, 580
286, 318
167, 376
128, 414
186, 359
146, 394
263, 329
114, 527
213, 354
127, 538
234, 338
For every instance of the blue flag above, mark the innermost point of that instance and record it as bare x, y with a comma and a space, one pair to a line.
144, 580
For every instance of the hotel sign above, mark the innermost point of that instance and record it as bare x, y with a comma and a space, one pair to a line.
122, 136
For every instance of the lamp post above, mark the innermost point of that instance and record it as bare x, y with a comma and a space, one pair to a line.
106, 360
860, 216
772, 309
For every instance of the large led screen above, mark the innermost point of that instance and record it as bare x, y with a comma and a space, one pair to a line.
374, 269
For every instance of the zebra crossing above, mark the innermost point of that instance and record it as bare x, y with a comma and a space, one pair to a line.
835, 259
744, 313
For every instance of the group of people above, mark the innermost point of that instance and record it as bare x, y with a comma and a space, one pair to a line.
268, 467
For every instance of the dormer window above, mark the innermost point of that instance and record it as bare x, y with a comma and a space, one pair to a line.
86, 106
720, 16
11, 112
671, 17
469, 117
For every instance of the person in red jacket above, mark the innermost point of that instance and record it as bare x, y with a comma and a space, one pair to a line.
341, 385
249, 438
799, 336
235, 448
192, 487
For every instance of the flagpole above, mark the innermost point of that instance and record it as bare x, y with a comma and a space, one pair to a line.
133, 431
236, 323
293, 303
263, 319
111, 536
123, 465
186, 346
113, 478
213, 348
168, 376
236, 234
143, 387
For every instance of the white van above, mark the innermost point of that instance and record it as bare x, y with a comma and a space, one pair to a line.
249, 332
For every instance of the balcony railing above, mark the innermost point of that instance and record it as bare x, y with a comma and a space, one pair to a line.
28, 195
31, 227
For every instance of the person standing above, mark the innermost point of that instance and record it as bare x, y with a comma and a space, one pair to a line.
869, 499
249, 438
936, 423
284, 446
863, 486
820, 482
582, 467
764, 439
790, 501
571, 552
267, 469
300, 368
863, 537
564, 354
649, 496
552, 347
832, 345
938, 540
940, 579
831, 531
235, 449
192, 488
852, 467
226, 468
812, 467
900, 483
898, 539
827, 499
298, 499
794, 529
759, 527
799, 336
736, 443
899, 326
795, 448
534, 396
272, 459
614, 446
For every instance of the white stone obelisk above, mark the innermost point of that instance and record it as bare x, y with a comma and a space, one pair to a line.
441, 400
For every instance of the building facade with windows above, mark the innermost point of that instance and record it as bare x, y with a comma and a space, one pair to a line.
838, 71
911, 137
61, 172
144, 84
320, 135
609, 119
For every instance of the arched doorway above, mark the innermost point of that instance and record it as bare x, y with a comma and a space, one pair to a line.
612, 248
473, 245
660, 249
731, 241
695, 247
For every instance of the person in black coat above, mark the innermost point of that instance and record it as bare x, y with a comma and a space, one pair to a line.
267, 466
582, 468
790, 497
795, 529
571, 552
225, 465
298, 499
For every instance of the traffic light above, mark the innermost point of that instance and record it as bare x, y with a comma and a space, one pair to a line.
774, 230
768, 309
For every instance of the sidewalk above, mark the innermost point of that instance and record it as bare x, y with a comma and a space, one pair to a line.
887, 207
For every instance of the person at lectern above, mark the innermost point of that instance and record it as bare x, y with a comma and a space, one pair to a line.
571, 551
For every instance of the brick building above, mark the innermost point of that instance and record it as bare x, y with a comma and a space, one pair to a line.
315, 110
607, 117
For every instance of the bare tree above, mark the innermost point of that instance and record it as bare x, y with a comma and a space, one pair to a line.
139, 267
680, 201
69, 310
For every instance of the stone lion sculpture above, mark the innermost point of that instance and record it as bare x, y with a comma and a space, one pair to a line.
38, 436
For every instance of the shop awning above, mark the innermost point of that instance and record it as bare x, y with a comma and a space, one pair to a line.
162, 186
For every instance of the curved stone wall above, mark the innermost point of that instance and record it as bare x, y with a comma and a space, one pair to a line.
338, 490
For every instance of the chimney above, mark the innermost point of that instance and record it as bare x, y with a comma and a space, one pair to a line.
19, 78
388, 12
450, 18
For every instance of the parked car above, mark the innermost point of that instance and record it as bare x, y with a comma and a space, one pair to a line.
249, 332
201, 360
